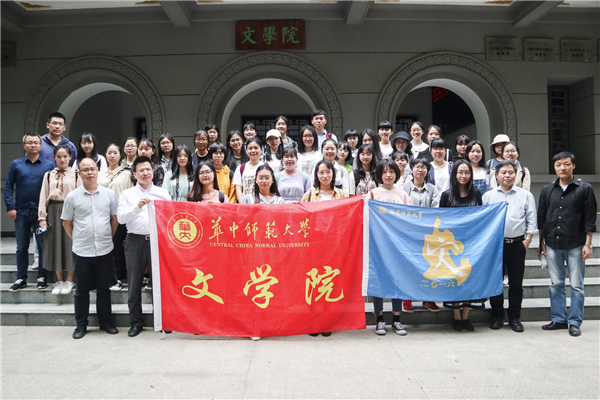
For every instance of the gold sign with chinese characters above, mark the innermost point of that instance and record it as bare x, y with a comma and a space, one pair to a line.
269, 35
575, 50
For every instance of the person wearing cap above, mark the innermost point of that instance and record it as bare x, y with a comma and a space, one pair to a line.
496, 148
273, 150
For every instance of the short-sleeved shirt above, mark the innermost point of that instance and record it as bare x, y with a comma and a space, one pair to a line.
91, 213
246, 181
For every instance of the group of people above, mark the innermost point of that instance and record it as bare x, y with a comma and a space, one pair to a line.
88, 211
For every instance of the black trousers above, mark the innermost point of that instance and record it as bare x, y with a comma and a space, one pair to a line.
93, 273
514, 264
137, 257
119, 253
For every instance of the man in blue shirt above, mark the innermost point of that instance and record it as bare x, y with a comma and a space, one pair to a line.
26, 174
56, 124
319, 119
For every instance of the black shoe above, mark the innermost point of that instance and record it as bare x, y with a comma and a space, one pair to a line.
134, 330
109, 329
41, 283
18, 285
457, 325
516, 325
326, 334
468, 325
314, 334
552, 326
574, 330
79, 332
496, 323
167, 332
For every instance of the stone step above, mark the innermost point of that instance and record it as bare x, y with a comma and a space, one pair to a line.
63, 314
533, 270
538, 288
31, 294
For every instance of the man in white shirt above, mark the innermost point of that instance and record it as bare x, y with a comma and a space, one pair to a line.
132, 211
89, 218
319, 119
519, 227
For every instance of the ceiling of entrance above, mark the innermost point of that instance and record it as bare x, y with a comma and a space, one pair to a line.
18, 16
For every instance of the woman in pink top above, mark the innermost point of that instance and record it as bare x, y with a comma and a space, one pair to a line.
387, 174
206, 186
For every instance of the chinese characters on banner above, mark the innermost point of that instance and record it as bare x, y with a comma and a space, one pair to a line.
269, 35
438, 254
258, 270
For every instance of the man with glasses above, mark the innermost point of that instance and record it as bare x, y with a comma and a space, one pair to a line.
56, 124
27, 174
519, 227
89, 218
133, 212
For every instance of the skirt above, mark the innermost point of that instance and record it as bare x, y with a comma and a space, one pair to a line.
58, 252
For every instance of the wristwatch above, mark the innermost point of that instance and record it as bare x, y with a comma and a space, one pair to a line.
588, 245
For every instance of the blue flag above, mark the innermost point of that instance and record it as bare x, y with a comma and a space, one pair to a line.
432, 254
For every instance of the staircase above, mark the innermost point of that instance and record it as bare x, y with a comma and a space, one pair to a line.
30, 306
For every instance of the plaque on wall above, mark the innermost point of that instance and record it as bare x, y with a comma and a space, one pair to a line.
575, 50
501, 49
539, 49
269, 35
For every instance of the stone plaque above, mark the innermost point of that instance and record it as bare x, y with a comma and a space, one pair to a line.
575, 50
539, 49
501, 49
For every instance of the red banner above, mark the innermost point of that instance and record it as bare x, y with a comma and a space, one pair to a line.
257, 270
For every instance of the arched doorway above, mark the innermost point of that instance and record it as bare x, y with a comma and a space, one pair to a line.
279, 72
76, 82
476, 84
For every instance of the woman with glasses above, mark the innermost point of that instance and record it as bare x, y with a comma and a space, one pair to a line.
510, 151
216, 154
206, 187
166, 144
201, 143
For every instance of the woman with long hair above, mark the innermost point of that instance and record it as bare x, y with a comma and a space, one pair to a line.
178, 180
146, 148
236, 153
476, 156
166, 144
342, 181
117, 179
282, 124
369, 136
351, 137
291, 182
462, 193
216, 154
88, 147
243, 178
206, 187
344, 156
273, 150
57, 244
323, 183
308, 149
265, 188
364, 173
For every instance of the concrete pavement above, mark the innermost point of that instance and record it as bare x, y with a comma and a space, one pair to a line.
431, 362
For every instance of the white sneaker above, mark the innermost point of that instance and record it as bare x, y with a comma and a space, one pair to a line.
67, 287
505, 281
399, 329
256, 338
57, 287
116, 287
380, 329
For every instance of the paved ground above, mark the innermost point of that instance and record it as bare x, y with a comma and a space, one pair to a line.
432, 362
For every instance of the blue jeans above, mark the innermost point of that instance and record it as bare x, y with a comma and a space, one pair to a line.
558, 292
23, 226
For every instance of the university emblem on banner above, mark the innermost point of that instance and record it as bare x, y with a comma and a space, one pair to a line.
436, 250
184, 230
